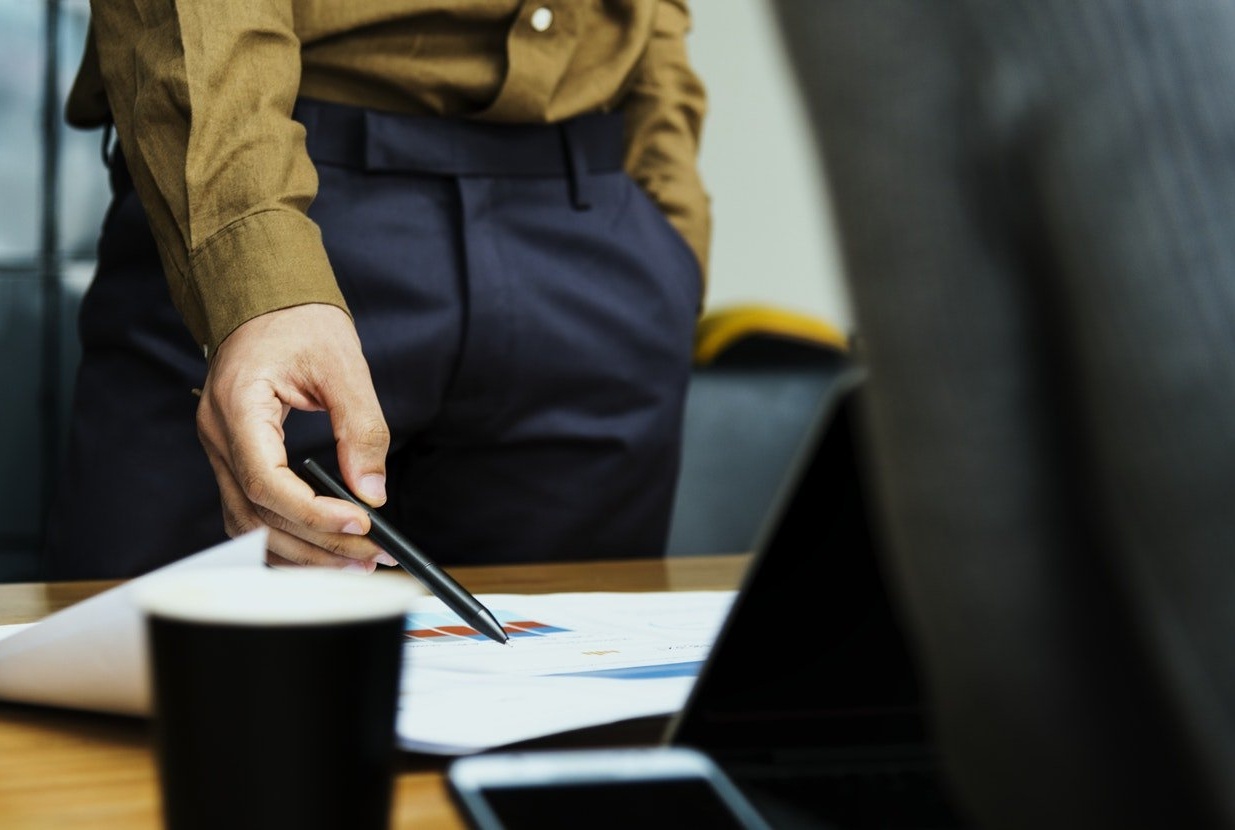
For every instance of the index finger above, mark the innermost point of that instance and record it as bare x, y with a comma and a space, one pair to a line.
259, 464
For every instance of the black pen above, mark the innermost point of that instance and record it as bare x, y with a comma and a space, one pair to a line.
443, 586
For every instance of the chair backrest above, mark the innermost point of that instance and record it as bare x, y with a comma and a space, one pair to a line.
759, 378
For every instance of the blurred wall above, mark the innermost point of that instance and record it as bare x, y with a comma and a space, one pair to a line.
772, 235
52, 196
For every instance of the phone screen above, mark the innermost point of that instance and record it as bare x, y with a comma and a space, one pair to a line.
655, 789
648, 805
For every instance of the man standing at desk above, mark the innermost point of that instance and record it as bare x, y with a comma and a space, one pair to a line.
497, 200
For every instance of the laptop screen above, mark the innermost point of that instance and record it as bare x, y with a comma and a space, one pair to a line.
811, 658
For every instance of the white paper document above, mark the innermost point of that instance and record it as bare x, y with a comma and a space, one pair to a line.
92, 655
574, 660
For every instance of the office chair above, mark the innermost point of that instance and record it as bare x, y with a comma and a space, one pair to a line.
760, 372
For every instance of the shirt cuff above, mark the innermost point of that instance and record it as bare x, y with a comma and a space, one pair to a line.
261, 263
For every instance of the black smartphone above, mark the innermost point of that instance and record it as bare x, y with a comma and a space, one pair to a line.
652, 788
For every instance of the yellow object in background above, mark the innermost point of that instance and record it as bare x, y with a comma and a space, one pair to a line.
770, 331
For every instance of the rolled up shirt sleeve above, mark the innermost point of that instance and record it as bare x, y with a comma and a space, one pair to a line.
202, 96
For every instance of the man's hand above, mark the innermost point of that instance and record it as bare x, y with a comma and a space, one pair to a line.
306, 357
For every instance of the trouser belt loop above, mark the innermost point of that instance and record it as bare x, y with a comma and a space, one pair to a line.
109, 133
576, 167
118, 175
307, 116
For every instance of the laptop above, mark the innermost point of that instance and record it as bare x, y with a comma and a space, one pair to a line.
809, 699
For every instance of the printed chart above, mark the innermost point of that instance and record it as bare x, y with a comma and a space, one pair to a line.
573, 660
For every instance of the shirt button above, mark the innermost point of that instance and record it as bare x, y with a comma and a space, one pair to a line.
542, 18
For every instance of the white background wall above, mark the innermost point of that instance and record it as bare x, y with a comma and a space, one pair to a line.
772, 237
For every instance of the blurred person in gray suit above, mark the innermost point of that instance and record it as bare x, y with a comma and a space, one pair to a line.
1036, 208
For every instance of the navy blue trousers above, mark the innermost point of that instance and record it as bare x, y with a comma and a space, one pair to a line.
528, 316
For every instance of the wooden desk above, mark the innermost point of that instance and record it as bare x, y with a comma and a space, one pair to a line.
61, 770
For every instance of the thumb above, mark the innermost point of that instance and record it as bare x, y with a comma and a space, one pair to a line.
362, 440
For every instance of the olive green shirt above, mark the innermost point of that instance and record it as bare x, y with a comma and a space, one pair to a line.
201, 94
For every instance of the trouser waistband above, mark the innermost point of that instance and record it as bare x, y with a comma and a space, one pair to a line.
379, 141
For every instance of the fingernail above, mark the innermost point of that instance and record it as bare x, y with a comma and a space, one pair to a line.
385, 559
358, 567
373, 487
353, 528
